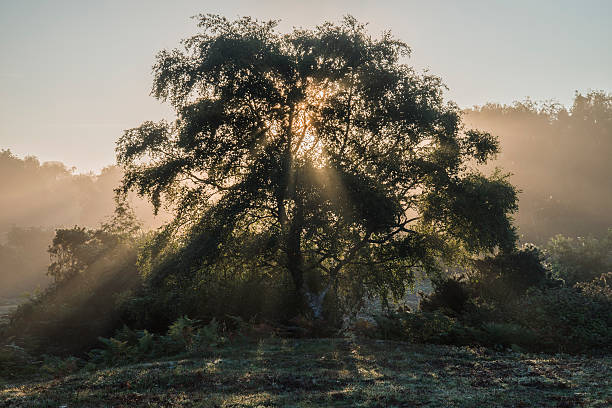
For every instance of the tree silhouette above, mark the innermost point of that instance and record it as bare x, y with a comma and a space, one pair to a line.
316, 153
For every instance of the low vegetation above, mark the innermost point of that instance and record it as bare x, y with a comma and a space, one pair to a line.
331, 372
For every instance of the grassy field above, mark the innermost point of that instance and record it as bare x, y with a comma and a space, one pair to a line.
331, 372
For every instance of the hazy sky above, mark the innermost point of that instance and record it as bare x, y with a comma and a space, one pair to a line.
75, 74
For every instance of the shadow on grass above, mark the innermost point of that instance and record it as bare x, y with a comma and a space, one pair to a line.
332, 372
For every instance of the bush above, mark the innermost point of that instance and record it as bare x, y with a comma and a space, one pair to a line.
451, 296
490, 282
214, 291
15, 362
579, 259
416, 327
509, 335
508, 275
511, 300
566, 319
60, 367
364, 328
599, 288
93, 270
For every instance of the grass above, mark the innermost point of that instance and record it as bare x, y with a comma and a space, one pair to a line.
331, 372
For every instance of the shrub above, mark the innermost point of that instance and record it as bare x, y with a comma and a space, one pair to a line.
580, 259
599, 288
217, 291
509, 335
366, 328
449, 295
566, 319
511, 300
60, 367
15, 362
93, 273
183, 336
182, 331
508, 275
416, 327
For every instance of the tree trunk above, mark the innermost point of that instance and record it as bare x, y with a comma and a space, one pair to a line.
294, 252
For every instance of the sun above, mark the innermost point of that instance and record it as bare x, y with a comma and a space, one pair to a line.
308, 143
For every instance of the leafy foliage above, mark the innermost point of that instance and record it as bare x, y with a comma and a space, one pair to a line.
93, 270
314, 155
567, 319
230, 288
184, 336
15, 362
512, 300
508, 275
450, 295
580, 259
420, 327
61, 367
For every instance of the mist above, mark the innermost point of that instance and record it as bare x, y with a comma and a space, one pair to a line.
38, 198
559, 158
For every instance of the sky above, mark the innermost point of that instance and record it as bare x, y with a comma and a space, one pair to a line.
75, 74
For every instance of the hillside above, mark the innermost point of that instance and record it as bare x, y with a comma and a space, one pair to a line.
332, 372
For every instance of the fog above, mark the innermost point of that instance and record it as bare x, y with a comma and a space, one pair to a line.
39, 197
559, 158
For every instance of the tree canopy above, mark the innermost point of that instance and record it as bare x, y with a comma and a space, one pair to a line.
316, 154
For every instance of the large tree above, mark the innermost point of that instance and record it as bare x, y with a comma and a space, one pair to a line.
316, 152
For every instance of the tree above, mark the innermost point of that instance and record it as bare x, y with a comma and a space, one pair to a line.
581, 259
317, 153
94, 273
73, 250
23, 260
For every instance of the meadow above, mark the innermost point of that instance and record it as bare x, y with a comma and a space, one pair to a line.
329, 372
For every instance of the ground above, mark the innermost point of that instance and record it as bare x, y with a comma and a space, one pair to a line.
331, 372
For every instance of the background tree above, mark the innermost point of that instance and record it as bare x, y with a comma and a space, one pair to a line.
38, 198
581, 259
559, 158
316, 153
94, 271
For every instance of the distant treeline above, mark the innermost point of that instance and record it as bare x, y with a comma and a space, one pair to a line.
50, 195
24, 260
35, 199
559, 158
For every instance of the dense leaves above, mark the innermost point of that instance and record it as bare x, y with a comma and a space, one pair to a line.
512, 300
580, 259
320, 145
